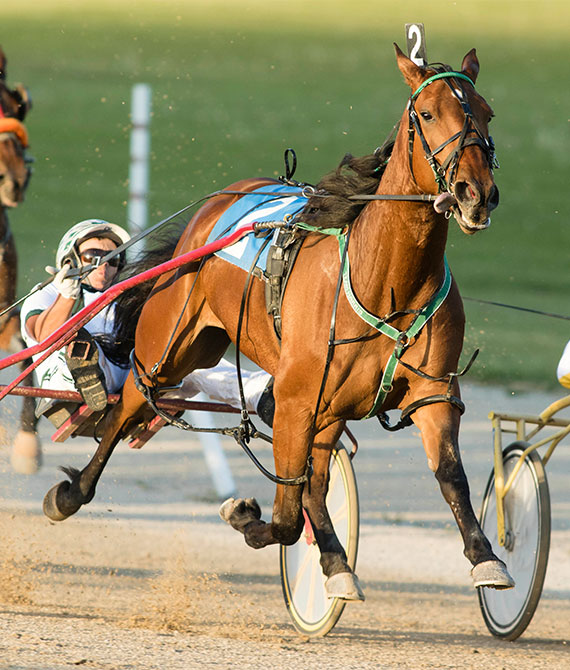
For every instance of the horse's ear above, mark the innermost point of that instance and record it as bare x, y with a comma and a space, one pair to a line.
413, 74
470, 65
2, 65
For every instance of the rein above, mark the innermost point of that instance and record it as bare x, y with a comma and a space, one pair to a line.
245, 431
306, 191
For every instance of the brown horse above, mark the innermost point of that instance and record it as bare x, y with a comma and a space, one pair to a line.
14, 177
397, 265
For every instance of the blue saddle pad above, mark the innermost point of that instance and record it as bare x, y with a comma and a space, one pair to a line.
250, 208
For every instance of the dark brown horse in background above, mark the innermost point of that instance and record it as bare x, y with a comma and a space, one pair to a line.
14, 177
396, 265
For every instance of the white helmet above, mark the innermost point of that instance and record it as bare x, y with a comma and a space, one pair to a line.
84, 230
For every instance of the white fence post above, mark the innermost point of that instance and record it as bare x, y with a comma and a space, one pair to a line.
137, 217
137, 214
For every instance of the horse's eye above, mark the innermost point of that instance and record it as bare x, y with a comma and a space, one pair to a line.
426, 116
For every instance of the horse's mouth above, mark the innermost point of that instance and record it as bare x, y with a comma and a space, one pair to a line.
468, 226
447, 203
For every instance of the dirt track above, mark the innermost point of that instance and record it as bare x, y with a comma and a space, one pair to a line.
148, 577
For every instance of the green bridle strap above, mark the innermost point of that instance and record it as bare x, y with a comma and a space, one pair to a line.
440, 75
402, 338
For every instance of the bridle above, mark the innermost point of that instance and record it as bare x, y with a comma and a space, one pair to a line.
471, 133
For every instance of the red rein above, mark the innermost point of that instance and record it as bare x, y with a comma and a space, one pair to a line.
65, 333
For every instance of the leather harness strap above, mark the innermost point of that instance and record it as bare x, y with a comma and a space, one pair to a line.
402, 339
405, 418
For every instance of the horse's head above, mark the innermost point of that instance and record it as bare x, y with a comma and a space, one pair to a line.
14, 169
450, 150
15, 102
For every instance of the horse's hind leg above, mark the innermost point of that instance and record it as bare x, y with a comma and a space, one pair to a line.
26, 453
28, 419
341, 582
64, 499
439, 426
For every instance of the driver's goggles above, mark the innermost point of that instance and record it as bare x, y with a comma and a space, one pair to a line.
94, 256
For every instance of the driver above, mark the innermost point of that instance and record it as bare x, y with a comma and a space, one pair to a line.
82, 365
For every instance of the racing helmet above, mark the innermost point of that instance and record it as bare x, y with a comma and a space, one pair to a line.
67, 249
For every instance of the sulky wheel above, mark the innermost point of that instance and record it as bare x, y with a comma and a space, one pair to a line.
527, 516
302, 579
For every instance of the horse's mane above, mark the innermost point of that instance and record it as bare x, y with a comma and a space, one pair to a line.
353, 176
118, 346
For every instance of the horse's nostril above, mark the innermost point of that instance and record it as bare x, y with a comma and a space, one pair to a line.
493, 198
465, 191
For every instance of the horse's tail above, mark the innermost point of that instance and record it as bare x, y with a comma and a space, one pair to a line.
118, 346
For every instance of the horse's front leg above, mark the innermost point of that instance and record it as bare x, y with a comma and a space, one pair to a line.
341, 580
439, 426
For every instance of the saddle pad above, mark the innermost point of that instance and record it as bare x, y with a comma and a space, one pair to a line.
248, 209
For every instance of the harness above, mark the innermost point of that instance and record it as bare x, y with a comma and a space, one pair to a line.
280, 261
279, 268
470, 134
402, 338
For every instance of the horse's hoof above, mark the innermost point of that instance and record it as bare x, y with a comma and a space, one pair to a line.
238, 513
492, 574
344, 585
52, 508
26, 455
